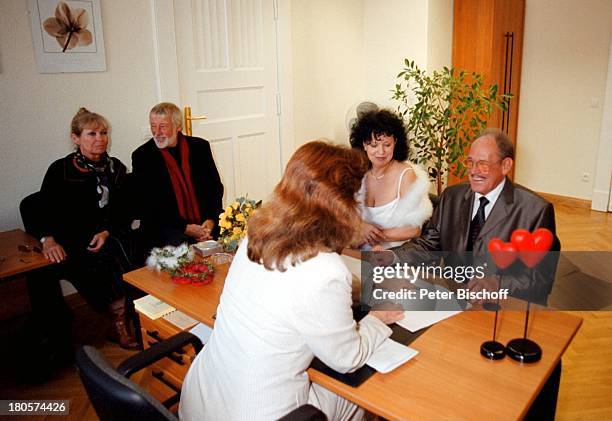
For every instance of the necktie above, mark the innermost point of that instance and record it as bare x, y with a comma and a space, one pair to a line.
477, 223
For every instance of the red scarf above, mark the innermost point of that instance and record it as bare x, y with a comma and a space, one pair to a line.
181, 181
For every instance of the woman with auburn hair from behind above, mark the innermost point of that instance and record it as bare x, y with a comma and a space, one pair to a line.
287, 299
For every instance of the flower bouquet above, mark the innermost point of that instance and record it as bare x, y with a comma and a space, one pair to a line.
179, 263
233, 222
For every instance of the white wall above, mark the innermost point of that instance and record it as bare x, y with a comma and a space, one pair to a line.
327, 66
602, 190
37, 108
565, 59
393, 30
439, 34
348, 51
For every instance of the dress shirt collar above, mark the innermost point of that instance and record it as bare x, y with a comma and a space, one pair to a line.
492, 197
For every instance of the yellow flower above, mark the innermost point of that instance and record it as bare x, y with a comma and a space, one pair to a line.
228, 211
240, 217
237, 231
226, 224
235, 205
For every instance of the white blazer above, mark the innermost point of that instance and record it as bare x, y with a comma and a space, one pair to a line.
269, 327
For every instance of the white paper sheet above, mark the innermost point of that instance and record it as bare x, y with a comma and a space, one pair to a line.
417, 320
390, 355
180, 320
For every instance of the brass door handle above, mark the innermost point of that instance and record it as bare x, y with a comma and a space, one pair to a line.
189, 119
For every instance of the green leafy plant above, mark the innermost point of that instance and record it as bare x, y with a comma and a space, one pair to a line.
443, 112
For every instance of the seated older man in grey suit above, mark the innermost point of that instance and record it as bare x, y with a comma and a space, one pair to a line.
469, 215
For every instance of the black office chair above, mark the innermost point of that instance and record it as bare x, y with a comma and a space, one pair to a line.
30, 210
115, 397
305, 413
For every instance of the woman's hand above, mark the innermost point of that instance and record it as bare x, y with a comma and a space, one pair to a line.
53, 251
98, 241
388, 317
371, 234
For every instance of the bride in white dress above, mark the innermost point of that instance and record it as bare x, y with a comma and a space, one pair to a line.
393, 198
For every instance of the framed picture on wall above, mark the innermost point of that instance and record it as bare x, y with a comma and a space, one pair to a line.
67, 35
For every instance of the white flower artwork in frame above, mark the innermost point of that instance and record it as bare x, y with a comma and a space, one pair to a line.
67, 35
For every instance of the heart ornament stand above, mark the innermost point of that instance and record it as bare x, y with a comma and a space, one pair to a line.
503, 254
532, 248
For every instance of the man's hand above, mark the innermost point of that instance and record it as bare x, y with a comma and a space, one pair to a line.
197, 232
381, 258
53, 251
490, 283
208, 226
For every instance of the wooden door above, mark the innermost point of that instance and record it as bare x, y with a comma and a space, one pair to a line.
488, 39
226, 52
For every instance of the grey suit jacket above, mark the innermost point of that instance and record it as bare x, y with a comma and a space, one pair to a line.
516, 207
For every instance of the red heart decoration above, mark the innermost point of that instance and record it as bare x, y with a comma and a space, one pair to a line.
532, 247
503, 254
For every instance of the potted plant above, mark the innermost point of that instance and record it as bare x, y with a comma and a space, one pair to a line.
444, 111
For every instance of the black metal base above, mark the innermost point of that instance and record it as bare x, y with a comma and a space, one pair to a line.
492, 350
524, 350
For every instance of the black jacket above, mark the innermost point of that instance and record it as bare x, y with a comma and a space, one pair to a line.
69, 204
161, 222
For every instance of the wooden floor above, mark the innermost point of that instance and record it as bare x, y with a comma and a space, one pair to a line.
586, 382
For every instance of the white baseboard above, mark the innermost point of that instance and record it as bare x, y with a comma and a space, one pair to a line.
600, 200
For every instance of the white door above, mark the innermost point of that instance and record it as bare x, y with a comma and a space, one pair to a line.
226, 52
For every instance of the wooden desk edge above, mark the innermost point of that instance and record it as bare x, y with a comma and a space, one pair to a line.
21, 237
132, 279
352, 393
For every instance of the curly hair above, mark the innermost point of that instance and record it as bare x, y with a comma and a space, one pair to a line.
313, 208
381, 122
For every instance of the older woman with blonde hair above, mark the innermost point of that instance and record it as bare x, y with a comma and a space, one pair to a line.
287, 299
81, 214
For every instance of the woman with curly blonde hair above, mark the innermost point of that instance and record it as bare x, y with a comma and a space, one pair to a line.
287, 299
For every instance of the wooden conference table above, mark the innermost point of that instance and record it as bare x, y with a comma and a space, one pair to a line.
448, 379
17, 257
14, 261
